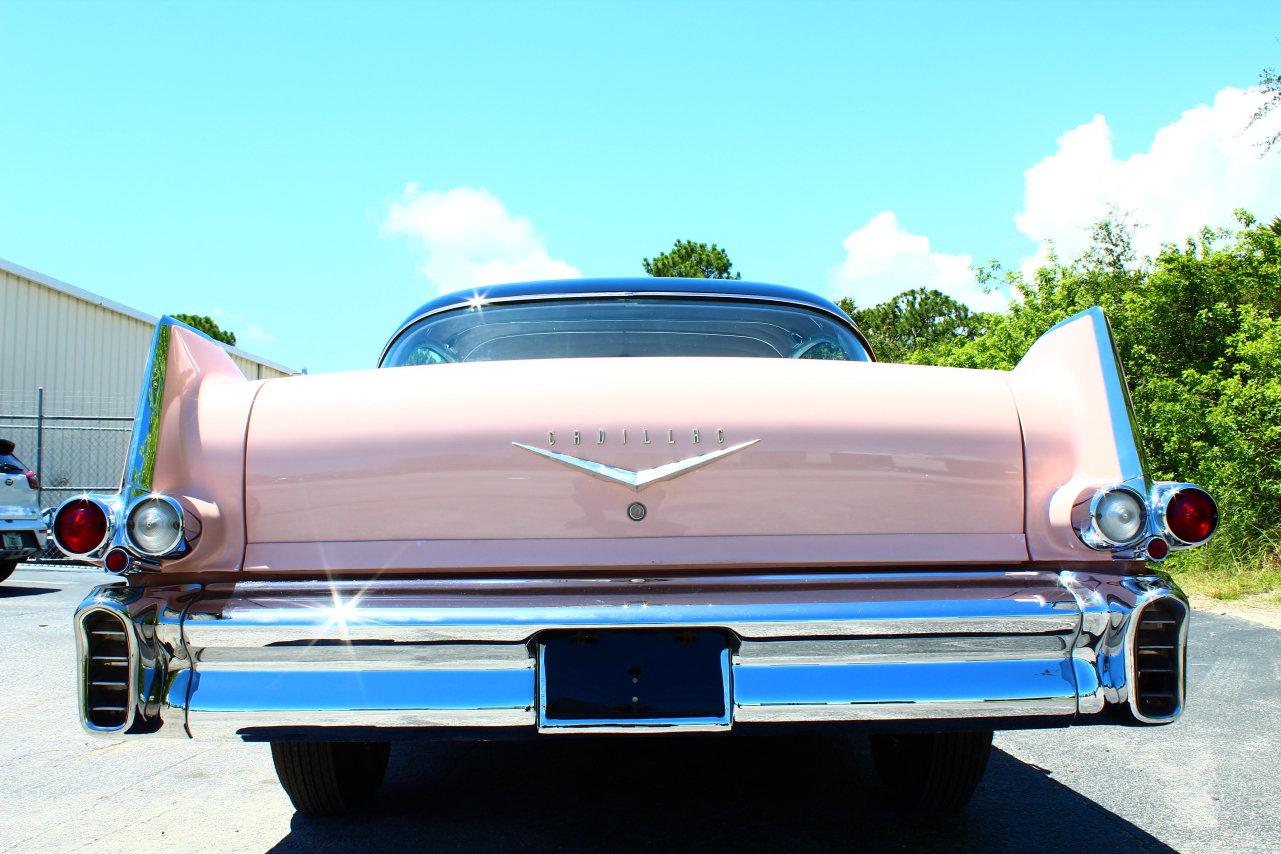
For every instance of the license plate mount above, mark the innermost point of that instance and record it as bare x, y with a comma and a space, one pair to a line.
13, 542
626, 680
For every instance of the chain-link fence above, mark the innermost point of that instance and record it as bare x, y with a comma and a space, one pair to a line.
75, 445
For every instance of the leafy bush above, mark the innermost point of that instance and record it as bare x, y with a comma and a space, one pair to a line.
207, 325
1199, 331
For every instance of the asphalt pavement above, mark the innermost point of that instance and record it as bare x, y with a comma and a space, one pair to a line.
1207, 783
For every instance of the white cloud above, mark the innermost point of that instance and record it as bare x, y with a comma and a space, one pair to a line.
882, 259
1196, 171
471, 239
248, 333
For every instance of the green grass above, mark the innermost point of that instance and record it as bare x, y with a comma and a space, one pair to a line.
1228, 569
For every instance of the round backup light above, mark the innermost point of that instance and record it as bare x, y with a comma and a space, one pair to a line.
1191, 515
154, 525
1119, 516
80, 526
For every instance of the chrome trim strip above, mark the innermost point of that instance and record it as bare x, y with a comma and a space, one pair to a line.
311, 690
904, 650
948, 580
140, 463
514, 610
615, 728
389, 656
213, 725
1049, 681
843, 318
637, 480
933, 710
460, 624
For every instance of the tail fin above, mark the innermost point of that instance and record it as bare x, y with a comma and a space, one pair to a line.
182, 357
1078, 427
189, 439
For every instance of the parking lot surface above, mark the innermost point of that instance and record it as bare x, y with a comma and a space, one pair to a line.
1207, 783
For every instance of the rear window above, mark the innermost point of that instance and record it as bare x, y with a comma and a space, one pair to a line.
622, 327
9, 464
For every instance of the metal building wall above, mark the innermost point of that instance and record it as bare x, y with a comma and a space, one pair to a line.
88, 354
89, 359
86, 351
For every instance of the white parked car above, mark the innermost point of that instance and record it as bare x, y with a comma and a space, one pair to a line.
23, 530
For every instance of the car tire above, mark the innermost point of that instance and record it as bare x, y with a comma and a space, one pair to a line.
330, 777
6, 568
933, 772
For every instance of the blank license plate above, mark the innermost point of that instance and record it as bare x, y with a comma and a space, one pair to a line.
13, 541
641, 677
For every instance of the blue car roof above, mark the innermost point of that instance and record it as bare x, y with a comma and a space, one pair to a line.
622, 286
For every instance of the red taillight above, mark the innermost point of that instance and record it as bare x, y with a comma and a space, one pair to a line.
1191, 515
117, 560
1158, 549
33, 480
80, 526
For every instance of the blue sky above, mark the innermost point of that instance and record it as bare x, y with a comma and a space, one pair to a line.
252, 160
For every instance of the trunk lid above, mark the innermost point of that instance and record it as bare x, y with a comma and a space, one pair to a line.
849, 462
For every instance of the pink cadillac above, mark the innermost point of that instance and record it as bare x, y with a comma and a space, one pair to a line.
632, 506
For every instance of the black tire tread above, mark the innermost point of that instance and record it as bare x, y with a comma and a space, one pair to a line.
935, 772
6, 568
324, 778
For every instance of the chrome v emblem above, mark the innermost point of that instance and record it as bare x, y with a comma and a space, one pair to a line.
638, 480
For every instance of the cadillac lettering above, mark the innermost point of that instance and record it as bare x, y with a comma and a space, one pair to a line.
602, 436
635, 507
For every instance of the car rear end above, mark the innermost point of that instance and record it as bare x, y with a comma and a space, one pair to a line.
637, 545
23, 532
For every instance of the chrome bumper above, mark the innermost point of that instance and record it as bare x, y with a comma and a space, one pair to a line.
277, 659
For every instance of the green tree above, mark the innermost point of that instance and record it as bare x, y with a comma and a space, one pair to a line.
1270, 86
207, 325
1199, 331
691, 260
915, 322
